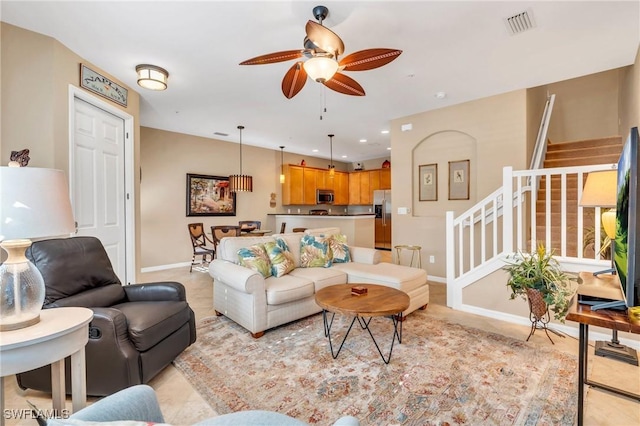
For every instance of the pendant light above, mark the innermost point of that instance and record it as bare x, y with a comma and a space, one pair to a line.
331, 166
240, 183
281, 164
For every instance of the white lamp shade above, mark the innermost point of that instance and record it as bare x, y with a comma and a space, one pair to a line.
320, 68
600, 190
34, 203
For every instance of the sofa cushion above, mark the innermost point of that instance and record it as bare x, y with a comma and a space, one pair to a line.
151, 322
339, 248
228, 247
389, 274
287, 289
255, 258
314, 252
280, 257
321, 277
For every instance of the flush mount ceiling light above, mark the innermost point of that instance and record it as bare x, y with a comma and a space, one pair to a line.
152, 77
240, 183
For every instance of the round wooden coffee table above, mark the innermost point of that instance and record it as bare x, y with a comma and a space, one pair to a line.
378, 301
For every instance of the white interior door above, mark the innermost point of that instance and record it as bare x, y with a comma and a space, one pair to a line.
97, 175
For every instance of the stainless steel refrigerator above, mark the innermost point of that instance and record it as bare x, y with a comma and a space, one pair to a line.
382, 209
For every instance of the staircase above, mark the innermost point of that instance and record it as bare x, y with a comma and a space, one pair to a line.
568, 154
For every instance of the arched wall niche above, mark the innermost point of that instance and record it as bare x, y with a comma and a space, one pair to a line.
440, 148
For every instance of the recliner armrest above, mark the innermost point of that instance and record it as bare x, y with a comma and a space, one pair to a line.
158, 291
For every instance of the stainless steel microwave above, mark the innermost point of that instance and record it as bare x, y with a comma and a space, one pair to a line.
324, 196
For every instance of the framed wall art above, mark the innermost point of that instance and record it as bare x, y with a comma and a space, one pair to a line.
428, 176
209, 196
459, 180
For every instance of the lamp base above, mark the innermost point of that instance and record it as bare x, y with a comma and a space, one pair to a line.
616, 351
21, 324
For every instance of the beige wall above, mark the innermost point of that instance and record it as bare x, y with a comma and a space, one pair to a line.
630, 97
36, 73
491, 132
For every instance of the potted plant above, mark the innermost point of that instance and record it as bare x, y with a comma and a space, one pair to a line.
537, 278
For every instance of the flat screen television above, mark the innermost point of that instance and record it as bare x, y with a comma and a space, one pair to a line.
626, 256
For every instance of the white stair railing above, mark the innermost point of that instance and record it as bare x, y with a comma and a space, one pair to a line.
507, 220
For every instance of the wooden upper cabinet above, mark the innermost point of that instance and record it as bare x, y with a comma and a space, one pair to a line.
385, 178
355, 188
309, 186
341, 188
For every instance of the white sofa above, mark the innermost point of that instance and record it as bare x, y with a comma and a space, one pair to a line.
258, 303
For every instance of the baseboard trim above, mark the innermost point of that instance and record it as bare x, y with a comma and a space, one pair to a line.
163, 267
571, 330
435, 279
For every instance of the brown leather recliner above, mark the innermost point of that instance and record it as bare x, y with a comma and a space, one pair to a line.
136, 330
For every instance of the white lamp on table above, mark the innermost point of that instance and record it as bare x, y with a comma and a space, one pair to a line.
34, 203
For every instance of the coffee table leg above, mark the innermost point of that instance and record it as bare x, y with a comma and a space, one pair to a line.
327, 331
396, 321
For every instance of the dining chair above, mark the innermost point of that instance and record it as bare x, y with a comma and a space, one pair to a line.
220, 231
199, 242
249, 225
283, 227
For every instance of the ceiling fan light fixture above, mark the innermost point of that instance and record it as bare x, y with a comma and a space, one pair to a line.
152, 77
321, 68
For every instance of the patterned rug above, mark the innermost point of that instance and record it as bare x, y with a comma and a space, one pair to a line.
441, 374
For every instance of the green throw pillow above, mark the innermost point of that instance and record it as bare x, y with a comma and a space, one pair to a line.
314, 252
339, 248
281, 258
255, 258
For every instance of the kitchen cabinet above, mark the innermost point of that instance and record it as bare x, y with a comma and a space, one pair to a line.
341, 188
309, 186
385, 179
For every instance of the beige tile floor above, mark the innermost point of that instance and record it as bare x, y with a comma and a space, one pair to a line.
182, 405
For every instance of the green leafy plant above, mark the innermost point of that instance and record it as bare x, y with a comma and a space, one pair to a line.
540, 271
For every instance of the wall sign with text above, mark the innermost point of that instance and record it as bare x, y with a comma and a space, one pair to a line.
97, 83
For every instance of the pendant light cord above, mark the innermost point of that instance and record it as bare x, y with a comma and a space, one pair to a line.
240, 128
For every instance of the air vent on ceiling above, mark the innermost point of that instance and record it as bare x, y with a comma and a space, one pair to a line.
220, 134
520, 22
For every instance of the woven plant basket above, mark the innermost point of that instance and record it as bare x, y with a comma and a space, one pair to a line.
537, 305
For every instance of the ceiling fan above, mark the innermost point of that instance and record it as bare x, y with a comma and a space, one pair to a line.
323, 47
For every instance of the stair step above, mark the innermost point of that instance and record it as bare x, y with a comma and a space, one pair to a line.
587, 143
594, 151
581, 161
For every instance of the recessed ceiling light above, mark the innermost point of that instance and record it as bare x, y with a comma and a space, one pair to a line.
344, 156
314, 150
363, 140
389, 149
440, 95
384, 132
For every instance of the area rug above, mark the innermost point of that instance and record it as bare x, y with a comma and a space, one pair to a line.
441, 374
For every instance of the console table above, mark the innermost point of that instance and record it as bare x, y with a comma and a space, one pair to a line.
61, 332
614, 320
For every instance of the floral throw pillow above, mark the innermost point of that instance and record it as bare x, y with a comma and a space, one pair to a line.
281, 258
339, 248
314, 252
255, 258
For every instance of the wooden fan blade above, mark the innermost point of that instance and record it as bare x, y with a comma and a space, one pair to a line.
324, 38
368, 59
294, 80
344, 84
270, 58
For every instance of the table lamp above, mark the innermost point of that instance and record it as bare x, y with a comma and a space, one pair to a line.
600, 190
34, 203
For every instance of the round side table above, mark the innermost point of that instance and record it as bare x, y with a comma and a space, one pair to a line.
61, 332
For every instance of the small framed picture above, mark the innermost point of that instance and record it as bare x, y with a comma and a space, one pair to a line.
459, 180
209, 196
428, 176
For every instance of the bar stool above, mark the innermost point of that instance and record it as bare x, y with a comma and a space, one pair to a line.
416, 256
